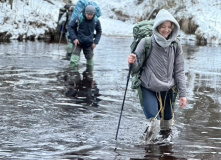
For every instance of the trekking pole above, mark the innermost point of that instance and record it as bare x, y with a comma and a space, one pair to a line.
62, 30
128, 77
61, 36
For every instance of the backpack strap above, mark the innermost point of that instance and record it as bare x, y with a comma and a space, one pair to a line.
146, 53
148, 47
175, 45
81, 17
95, 20
79, 20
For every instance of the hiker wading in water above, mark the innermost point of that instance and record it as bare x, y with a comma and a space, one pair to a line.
81, 32
162, 71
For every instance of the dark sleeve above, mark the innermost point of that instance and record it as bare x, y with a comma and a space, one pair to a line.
98, 32
72, 29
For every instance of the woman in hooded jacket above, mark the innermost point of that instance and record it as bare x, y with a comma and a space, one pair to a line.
163, 70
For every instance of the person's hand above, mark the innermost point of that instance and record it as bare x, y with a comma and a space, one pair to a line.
182, 101
131, 58
76, 42
93, 45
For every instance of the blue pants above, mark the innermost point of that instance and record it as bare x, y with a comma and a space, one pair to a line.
151, 104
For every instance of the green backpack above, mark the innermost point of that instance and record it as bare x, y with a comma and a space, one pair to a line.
141, 30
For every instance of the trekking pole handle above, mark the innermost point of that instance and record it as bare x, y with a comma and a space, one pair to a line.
137, 56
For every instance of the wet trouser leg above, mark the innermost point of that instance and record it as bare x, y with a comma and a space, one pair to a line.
167, 119
75, 57
168, 111
89, 55
151, 105
74, 73
69, 48
151, 108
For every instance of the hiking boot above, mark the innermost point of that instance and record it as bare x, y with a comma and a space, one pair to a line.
152, 130
165, 133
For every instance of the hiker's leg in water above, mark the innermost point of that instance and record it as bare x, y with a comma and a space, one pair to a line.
168, 112
150, 104
150, 108
74, 77
74, 73
167, 121
75, 57
69, 49
89, 55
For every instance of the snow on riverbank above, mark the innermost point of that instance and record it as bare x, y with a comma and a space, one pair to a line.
37, 18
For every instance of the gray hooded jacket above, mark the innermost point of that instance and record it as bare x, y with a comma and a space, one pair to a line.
164, 68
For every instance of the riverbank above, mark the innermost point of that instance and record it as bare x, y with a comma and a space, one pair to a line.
37, 19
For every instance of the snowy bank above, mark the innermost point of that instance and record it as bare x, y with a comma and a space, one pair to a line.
197, 17
31, 19
28, 18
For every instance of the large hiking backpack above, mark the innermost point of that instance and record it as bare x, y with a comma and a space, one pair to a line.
78, 11
141, 30
81, 4
65, 13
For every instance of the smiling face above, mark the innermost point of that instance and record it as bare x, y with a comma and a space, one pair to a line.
165, 28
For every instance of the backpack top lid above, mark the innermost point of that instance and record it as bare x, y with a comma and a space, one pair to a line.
140, 30
97, 8
143, 29
81, 4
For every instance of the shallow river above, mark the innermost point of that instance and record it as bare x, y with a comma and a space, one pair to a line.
37, 120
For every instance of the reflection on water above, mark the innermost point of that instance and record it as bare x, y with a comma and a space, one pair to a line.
38, 121
82, 90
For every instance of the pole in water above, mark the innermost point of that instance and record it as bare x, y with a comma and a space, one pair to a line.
128, 77
61, 36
